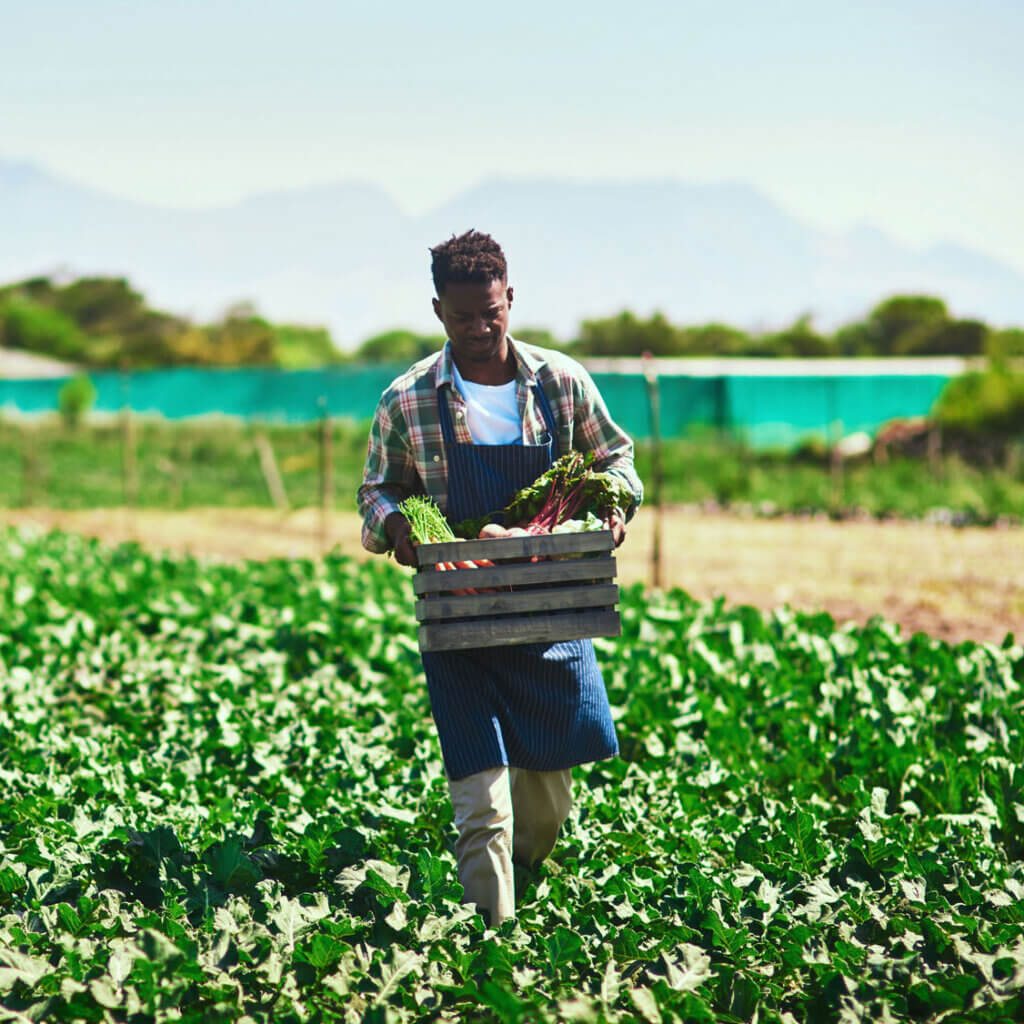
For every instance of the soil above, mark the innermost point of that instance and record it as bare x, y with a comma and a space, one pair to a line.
951, 583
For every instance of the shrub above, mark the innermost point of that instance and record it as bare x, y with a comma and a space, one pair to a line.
75, 399
989, 402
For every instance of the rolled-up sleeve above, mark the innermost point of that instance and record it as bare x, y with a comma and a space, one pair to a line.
389, 474
595, 431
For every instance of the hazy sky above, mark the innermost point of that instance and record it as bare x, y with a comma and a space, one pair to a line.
904, 114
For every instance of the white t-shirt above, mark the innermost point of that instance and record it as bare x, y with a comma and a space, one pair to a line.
492, 412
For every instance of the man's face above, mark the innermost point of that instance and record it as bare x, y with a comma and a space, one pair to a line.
475, 318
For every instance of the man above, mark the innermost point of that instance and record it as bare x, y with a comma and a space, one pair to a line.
469, 427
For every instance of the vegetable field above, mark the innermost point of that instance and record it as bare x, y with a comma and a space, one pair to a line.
223, 801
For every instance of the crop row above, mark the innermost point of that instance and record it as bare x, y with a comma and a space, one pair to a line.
223, 800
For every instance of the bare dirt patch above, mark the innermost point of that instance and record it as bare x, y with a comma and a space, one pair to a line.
955, 584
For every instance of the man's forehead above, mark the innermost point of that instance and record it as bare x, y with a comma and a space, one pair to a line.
459, 295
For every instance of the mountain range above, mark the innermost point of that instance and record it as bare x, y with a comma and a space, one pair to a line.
347, 256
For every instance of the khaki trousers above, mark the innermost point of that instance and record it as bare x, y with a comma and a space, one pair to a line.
505, 814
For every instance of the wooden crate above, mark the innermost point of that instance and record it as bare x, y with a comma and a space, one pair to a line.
570, 594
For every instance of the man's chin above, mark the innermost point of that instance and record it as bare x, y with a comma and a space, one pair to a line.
482, 353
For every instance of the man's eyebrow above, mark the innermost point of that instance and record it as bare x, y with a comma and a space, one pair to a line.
492, 307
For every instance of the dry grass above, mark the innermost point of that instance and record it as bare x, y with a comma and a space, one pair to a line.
956, 584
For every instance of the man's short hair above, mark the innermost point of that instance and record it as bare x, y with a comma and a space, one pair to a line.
472, 256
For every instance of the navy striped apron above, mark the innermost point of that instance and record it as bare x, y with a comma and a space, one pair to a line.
537, 706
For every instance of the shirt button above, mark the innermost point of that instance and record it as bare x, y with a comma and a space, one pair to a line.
458, 415
437, 458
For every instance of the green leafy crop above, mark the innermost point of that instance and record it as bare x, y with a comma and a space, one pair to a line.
223, 800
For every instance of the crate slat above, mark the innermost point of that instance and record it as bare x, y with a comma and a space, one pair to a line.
430, 581
494, 548
568, 594
518, 630
552, 599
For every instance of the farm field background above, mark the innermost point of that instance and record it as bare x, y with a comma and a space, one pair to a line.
224, 801
217, 462
953, 583
757, 527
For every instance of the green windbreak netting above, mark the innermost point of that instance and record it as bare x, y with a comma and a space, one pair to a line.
290, 396
683, 402
768, 410
782, 411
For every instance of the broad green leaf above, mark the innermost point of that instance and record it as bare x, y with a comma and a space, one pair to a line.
563, 946
229, 865
15, 967
403, 963
646, 1004
687, 967
610, 984
105, 993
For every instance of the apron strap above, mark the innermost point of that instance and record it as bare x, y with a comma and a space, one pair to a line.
445, 416
549, 418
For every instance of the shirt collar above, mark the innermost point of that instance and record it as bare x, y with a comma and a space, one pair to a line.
527, 365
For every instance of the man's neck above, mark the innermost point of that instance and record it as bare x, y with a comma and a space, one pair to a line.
493, 373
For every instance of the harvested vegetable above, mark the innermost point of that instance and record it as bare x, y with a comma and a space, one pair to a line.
492, 530
588, 522
428, 524
570, 489
469, 529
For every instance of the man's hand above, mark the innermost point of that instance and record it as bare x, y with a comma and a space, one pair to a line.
396, 526
616, 522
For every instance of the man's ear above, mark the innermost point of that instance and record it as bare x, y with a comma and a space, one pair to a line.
508, 295
437, 309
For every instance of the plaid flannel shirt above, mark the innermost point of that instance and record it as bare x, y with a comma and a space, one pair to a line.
405, 453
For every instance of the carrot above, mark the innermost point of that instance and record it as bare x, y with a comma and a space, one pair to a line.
452, 567
480, 563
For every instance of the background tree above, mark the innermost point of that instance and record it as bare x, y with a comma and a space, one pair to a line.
799, 340
714, 339
303, 348
627, 335
900, 315
1004, 344
855, 340
100, 305
943, 338
104, 322
539, 336
29, 325
399, 346
242, 338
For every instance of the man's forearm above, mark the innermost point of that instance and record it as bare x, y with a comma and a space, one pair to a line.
375, 503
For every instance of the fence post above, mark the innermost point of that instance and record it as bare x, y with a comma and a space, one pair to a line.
30, 469
183, 462
129, 464
836, 468
834, 434
654, 402
271, 474
935, 447
326, 476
